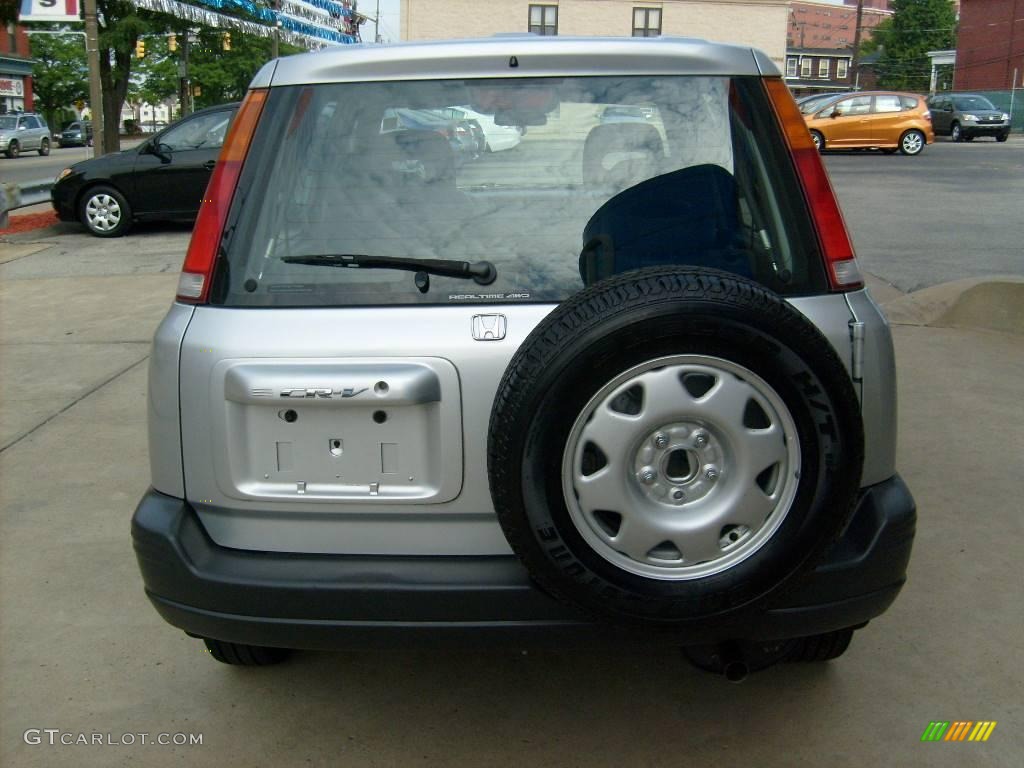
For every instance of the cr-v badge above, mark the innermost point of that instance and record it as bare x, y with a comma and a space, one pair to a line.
488, 327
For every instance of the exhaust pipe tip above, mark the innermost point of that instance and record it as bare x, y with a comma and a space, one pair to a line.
736, 671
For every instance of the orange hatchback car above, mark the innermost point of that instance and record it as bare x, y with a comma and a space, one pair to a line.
881, 120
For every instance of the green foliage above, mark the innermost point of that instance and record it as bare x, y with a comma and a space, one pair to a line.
156, 76
918, 26
877, 39
59, 75
224, 76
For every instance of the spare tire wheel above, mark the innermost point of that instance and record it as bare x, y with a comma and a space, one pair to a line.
673, 444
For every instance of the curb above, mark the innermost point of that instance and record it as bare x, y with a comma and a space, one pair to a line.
985, 303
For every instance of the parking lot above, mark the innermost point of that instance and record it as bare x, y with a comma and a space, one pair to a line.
83, 652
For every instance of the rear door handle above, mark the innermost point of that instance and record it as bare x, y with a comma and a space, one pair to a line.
208, 165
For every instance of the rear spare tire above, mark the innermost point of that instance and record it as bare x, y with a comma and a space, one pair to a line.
673, 444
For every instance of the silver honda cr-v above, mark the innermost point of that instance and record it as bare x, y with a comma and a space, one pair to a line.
619, 377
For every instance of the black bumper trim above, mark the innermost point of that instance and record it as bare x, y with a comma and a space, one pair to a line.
326, 601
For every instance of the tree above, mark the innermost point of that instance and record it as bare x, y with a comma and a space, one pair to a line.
918, 26
121, 25
59, 75
877, 38
9, 11
224, 76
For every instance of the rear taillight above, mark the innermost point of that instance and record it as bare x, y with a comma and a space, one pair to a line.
836, 248
197, 271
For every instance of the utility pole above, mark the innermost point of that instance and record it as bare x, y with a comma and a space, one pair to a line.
92, 55
855, 62
376, 25
275, 39
184, 87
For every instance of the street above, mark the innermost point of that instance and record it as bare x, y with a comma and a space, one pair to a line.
31, 167
952, 212
85, 652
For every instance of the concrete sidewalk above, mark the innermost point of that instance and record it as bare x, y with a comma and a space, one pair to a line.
84, 652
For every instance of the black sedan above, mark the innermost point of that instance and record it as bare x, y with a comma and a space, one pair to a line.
164, 178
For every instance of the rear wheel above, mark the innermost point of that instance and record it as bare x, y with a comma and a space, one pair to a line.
13, 150
956, 133
44, 147
244, 655
673, 444
105, 212
819, 141
912, 142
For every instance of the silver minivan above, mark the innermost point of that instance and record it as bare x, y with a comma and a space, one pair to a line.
620, 379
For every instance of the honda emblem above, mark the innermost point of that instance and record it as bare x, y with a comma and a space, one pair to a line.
488, 327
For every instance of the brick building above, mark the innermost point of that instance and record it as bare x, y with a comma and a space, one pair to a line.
828, 26
15, 70
759, 23
989, 45
818, 70
882, 5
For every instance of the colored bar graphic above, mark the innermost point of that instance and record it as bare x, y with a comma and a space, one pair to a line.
983, 730
958, 730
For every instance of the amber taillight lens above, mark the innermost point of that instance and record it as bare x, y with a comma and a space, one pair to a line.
197, 271
833, 238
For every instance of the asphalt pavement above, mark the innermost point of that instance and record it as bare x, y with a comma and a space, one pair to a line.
84, 653
33, 167
955, 211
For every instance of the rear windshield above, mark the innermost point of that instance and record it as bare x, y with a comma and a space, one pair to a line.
558, 183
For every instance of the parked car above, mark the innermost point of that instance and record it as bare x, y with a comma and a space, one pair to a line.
814, 102
965, 116
22, 132
497, 138
161, 179
881, 120
391, 402
77, 133
459, 134
638, 114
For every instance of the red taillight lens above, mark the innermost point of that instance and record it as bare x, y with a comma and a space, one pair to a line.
197, 271
836, 248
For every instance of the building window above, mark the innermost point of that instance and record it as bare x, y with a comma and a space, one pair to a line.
646, 22
805, 67
544, 19
823, 68
841, 67
791, 66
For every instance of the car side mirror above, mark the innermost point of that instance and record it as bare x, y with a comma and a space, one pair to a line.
160, 150
836, 113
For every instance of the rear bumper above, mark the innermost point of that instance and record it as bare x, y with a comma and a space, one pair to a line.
327, 602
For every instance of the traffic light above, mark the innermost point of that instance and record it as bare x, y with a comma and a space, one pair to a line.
227, 41
140, 49
172, 43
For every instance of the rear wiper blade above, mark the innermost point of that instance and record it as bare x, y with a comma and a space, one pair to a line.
481, 272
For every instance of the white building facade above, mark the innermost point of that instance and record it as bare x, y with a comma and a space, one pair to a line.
758, 23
